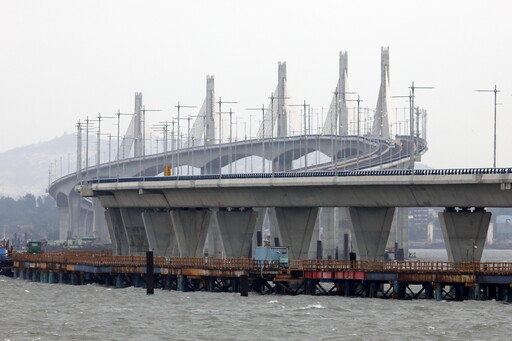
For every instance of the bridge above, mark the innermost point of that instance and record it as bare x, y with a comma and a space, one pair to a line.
140, 212
339, 144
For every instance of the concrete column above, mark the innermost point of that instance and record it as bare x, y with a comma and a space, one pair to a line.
75, 224
236, 230
371, 230
327, 222
213, 238
64, 220
296, 225
159, 231
273, 227
134, 227
190, 227
117, 232
464, 233
99, 227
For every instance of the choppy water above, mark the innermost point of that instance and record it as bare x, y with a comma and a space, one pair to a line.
38, 311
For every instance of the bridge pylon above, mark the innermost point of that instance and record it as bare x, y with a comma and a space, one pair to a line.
380, 126
337, 116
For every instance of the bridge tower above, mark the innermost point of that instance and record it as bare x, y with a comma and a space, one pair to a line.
337, 115
282, 109
133, 136
203, 128
277, 110
380, 121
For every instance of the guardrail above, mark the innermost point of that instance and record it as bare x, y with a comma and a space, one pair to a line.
105, 258
348, 173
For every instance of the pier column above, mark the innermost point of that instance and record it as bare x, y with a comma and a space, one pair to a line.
371, 230
117, 232
159, 231
296, 225
190, 227
135, 232
439, 291
213, 238
236, 230
464, 233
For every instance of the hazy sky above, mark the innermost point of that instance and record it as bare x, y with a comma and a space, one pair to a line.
63, 60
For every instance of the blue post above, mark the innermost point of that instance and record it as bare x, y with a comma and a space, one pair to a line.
429, 291
119, 280
478, 291
509, 295
211, 284
471, 293
373, 290
108, 280
347, 288
72, 276
167, 282
61, 277
182, 279
15, 272
396, 290
34, 275
51, 277
439, 292
136, 280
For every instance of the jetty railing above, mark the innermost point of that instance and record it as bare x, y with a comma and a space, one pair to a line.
105, 258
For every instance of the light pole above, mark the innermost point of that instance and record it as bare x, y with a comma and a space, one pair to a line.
220, 102
262, 136
411, 123
358, 100
118, 114
178, 122
98, 152
304, 105
495, 90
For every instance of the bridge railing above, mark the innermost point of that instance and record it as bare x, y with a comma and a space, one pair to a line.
105, 258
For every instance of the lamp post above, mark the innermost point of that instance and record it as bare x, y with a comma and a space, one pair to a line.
495, 90
220, 102
118, 114
411, 123
262, 136
304, 105
358, 100
178, 122
98, 152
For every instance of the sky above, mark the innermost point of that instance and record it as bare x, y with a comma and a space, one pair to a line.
61, 61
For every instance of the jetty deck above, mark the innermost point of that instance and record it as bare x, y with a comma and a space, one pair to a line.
378, 279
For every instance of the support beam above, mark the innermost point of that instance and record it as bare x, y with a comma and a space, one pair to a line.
190, 227
296, 225
117, 232
237, 229
371, 230
134, 226
159, 231
464, 233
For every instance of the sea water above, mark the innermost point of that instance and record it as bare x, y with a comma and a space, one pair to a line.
40, 311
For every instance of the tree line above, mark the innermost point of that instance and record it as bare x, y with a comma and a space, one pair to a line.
29, 217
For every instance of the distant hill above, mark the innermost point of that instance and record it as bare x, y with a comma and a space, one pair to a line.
27, 169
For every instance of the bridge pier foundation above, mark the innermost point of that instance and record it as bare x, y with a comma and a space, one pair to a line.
371, 230
237, 229
190, 227
464, 233
296, 225
159, 231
